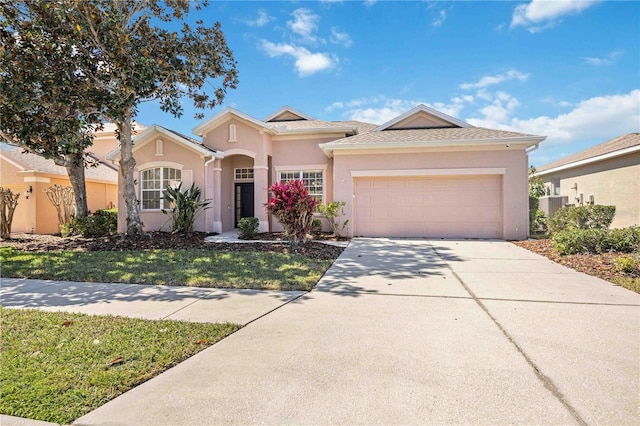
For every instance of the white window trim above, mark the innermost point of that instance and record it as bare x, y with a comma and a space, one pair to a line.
306, 168
154, 165
237, 179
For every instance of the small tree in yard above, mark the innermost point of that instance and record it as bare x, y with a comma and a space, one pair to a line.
332, 211
8, 204
293, 207
62, 199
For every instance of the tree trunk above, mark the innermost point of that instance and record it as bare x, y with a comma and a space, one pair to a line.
78, 183
127, 168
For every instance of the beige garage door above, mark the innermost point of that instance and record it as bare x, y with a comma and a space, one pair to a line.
443, 206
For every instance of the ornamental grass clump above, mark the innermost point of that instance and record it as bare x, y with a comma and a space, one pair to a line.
293, 207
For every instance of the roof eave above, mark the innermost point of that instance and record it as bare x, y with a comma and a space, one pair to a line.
591, 160
526, 141
115, 154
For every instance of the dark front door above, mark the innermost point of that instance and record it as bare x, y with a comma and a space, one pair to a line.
244, 201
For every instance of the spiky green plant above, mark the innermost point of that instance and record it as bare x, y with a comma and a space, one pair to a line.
185, 207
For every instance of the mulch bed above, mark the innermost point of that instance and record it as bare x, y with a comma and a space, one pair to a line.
599, 265
165, 240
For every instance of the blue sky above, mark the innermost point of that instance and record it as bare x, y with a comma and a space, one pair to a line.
568, 70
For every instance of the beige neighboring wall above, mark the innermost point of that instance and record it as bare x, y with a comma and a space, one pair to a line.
36, 214
614, 181
512, 160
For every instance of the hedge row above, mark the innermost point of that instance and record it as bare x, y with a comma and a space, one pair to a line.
581, 217
573, 241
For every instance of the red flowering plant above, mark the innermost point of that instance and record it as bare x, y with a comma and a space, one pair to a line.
293, 207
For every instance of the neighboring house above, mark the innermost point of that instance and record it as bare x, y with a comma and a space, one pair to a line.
423, 173
30, 175
606, 174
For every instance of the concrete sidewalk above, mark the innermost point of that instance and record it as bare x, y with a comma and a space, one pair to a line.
143, 301
416, 332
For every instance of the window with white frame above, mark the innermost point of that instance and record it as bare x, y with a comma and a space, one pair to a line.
243, 173
312, 180
153, 183
555, 183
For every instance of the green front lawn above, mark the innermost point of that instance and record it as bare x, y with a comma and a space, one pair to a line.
197, 267
57, 367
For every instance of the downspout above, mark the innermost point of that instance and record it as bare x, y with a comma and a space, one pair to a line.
206, 189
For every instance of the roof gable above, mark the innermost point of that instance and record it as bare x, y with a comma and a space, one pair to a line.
224, 115
422, 117
286, 113
155, 131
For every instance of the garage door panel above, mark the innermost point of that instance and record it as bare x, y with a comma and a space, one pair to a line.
445, 206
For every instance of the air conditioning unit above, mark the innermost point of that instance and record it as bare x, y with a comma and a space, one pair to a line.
552, 203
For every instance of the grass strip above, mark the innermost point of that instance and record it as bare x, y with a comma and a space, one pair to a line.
58, 366
197, 268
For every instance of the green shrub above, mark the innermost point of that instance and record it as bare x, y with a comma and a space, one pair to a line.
65, 229
248, 227
594, 240
99, 224
316, 226
332, 211
186, 206
627, 264
537, 220
581, 217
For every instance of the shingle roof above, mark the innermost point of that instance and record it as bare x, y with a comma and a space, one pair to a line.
40, 164
617, 144
308, 125
449, 134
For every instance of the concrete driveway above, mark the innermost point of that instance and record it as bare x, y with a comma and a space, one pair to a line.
415, 332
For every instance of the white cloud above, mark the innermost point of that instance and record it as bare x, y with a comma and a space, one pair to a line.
601, 117
500, 109
380, 109
304, 23
370, 3
490, 80
439, 18
542, 14
263, 19
607, 60
306, 63
340, 38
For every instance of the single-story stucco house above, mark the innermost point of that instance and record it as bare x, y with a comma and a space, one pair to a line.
423, 173
606, 174
30, 175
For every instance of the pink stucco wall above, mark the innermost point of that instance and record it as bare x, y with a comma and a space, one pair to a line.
174, 155
515, 195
